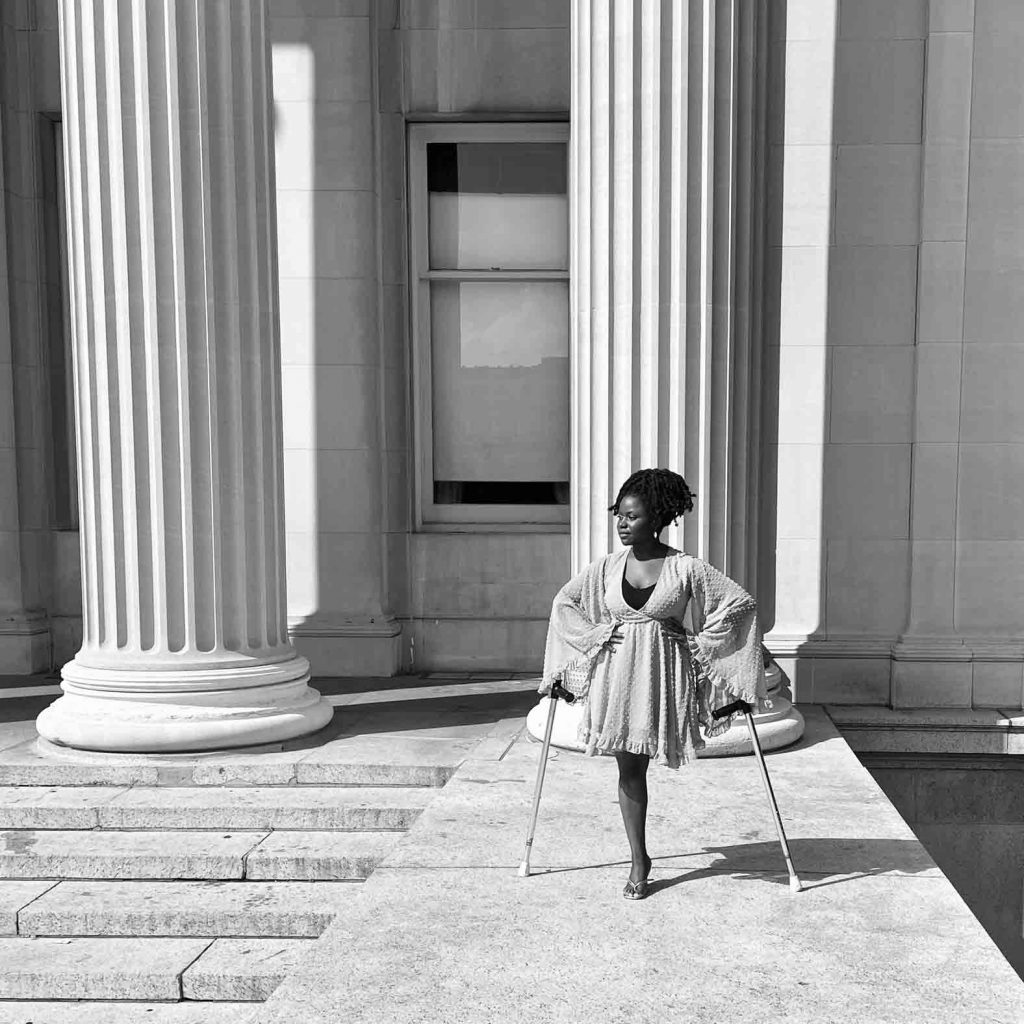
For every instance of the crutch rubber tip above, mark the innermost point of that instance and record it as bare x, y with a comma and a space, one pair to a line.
524, 870
794, 884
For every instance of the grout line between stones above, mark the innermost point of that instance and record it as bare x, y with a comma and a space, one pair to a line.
21, 910
181, 976
252, 850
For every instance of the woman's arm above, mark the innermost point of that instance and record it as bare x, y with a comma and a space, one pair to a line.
576, 631
725, 644
570, 619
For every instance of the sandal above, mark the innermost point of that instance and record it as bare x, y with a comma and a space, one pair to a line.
639, 890
636, 890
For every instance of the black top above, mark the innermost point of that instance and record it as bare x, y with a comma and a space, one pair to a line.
635, 597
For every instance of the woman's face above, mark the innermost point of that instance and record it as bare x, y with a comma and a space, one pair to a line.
632, 521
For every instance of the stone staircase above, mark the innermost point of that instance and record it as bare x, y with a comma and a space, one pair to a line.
172, 884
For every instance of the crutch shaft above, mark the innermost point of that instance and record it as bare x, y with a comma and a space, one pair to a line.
794, 880
524, 867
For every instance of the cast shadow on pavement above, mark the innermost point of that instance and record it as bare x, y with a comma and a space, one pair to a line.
818, 862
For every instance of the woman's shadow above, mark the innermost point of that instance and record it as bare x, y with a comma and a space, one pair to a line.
818, 862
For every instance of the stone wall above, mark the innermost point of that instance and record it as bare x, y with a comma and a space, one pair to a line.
340, 222
968, 480
892, 545
481, 599
897, 565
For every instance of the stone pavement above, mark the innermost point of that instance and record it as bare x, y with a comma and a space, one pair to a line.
198, 882
444, 931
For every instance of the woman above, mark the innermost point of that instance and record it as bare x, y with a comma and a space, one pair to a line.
653, 640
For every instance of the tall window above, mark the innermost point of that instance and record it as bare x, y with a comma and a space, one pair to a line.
490, 278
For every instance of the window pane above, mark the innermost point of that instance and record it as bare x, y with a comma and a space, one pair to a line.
498, 206
500, 368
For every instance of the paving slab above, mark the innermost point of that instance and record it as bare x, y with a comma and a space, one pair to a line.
61, 807
265, 807
939, 718
111, 854
24, 765
449, 933
281, 909
372, 759
566, 947
319, 856
712, 812
924, 730
14, 896
141, 969
103, 1012
243, 969
35, 762
416, 721
9, 692
398, 688
426, 763
15, 734
246, 770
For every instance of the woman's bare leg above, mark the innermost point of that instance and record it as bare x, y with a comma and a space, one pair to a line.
633, 804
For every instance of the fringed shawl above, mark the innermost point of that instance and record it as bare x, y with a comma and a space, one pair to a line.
723, 641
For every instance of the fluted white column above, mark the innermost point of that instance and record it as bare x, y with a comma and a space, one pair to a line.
665, 264
666, 237
172, 251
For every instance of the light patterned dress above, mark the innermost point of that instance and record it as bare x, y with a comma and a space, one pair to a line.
694, 645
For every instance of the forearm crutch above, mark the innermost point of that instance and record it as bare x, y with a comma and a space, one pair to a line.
558, 692
742, 705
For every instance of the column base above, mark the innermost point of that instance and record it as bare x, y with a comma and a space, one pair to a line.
164, 711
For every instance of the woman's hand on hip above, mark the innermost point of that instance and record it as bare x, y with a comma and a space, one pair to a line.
614, 640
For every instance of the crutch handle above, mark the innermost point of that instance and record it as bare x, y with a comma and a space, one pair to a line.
737, 705
559, 692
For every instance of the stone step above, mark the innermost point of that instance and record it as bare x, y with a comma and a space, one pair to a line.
101, 854
30, 807
88, 1012
426, 764
319, 856
243, 969
115, 854
226, 807
180, 909
140, 969
14, 897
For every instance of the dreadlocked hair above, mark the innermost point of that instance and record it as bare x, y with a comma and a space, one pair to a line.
665, 495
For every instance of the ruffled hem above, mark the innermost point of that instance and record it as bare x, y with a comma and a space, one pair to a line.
597, 743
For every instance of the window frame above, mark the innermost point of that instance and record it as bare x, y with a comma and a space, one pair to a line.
429, 514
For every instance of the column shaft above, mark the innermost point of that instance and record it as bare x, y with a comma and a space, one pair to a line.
665, 271
666, 241
172, 250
